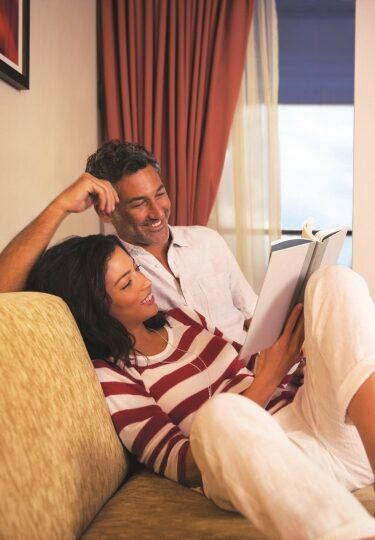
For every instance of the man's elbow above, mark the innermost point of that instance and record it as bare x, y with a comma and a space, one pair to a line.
10, 285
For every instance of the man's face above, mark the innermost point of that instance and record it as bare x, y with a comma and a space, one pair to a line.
141, 217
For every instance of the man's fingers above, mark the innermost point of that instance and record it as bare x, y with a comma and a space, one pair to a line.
104, 195
86, 191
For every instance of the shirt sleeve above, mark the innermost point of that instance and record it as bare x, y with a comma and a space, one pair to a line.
144, 429
243, 295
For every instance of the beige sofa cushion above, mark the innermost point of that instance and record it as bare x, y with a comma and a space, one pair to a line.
149, 507
60, 456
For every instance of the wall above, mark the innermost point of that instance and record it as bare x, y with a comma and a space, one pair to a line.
47, 132
364, 143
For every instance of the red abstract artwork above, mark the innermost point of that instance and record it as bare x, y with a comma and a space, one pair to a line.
14, 42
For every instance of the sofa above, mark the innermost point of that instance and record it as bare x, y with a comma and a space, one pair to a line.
64, 473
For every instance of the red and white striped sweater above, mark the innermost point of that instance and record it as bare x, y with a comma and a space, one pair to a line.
153, 402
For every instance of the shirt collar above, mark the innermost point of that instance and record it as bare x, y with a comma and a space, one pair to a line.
178, 236
177, 239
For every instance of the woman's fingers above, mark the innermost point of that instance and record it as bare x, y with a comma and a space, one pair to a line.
299, 332
291, 340
293, 320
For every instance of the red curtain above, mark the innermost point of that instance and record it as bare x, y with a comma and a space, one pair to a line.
171, 73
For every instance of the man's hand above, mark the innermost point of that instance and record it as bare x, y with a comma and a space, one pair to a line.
21, 253
85, 192
276, 361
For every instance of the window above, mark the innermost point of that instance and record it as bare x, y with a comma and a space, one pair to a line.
316, 167
316, 68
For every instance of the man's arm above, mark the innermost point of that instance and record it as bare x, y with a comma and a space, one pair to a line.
144, 428
243, 295
17, 259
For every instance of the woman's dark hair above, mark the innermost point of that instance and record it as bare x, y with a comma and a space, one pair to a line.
75, 270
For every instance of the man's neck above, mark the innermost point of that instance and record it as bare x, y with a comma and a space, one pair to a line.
160, 253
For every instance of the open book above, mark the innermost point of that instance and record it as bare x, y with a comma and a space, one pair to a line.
290, 265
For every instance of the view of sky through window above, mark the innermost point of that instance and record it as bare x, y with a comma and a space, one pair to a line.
316, 162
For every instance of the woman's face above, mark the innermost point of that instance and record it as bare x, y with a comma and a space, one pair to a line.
130, 291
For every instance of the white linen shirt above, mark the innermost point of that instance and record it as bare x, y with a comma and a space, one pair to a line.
206, 277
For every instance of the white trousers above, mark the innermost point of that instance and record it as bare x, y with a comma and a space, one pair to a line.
290, 474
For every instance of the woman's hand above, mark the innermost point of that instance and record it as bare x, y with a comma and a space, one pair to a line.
276, 361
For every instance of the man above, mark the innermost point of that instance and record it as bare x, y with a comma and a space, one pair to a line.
187, 265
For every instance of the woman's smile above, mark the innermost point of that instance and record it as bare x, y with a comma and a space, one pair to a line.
149, 299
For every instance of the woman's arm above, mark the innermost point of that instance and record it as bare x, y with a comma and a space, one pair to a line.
144, 428
276, 361
193, 476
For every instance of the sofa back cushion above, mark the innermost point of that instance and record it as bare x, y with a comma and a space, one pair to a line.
60, 458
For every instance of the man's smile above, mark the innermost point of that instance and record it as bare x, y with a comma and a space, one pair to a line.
156, 225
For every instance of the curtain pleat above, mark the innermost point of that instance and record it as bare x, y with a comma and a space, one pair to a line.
247, 209
171, 74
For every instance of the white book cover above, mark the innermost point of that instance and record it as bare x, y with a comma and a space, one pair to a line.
290, 265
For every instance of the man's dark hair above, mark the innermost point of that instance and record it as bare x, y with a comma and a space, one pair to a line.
115, 159
75, 271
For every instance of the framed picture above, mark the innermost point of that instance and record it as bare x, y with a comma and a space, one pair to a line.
15, 42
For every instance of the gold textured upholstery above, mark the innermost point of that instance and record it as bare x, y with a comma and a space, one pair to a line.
157, 508
60, 456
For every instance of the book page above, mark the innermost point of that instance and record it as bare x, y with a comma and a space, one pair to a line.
327, 252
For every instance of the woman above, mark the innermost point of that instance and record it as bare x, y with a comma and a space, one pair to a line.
172, 386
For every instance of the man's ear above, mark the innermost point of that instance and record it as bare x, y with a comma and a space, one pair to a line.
105, 218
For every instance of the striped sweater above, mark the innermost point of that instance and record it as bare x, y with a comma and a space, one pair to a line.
153, 402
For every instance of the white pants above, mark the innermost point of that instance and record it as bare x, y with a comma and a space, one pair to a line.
290, 473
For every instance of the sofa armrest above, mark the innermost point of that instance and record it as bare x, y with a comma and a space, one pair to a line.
61, 458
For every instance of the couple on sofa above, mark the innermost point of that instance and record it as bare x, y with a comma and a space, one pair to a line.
179, 397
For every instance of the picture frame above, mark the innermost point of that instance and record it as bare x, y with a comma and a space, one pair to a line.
15, 42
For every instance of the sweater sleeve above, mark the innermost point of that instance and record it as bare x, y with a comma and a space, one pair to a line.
191, 317
144, 429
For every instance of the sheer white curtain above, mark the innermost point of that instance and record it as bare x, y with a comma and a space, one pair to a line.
247, 209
